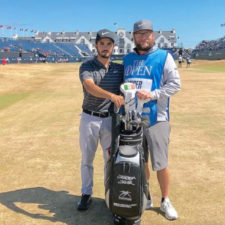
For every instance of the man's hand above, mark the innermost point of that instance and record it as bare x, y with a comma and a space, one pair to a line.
144, 95
118, 100
96, 91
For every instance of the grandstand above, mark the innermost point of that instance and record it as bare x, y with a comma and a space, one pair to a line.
73, 46
124, 39
214, 49
29, 51
77, 46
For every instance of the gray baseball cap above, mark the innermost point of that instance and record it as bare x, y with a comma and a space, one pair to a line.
104, 33
142, 25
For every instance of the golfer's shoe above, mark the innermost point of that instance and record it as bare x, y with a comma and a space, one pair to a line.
168, 209
149, 202
84, 202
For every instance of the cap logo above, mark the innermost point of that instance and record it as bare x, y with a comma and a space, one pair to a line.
103, 33
140, 25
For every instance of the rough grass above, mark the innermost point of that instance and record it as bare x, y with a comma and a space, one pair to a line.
40, 157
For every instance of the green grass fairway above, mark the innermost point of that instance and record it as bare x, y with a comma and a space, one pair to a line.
40, 106
215, 68
9, 99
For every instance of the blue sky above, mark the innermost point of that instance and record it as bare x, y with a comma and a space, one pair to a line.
193, 20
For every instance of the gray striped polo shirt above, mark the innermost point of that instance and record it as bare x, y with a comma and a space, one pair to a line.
108, 79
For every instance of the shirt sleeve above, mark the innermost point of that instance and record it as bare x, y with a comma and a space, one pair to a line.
170, 83
85, 72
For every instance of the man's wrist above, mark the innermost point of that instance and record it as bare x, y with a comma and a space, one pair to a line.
153, 95
111, 95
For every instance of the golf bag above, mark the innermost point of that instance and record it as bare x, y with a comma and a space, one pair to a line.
126, 188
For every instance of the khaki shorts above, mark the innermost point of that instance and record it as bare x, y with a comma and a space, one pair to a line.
157, 138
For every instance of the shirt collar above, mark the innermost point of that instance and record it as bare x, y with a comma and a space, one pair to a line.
100, 64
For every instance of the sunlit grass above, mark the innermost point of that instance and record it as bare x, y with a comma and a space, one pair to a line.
40, 108
11, 98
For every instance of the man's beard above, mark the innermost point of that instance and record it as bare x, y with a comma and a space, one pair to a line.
103, 55
140, 48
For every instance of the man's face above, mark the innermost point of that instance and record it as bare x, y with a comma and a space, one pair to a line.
144, 39
104, 47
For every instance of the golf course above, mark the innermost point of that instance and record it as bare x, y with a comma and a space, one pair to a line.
40, 184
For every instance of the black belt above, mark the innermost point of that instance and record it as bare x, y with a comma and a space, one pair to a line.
98, 114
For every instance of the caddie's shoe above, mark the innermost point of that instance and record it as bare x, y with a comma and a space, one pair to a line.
149, 202
84, 202
168, 209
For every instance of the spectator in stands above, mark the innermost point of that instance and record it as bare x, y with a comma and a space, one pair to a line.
101, 81
4, 61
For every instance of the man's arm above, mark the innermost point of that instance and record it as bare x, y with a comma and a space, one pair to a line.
170, 83
96, 91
